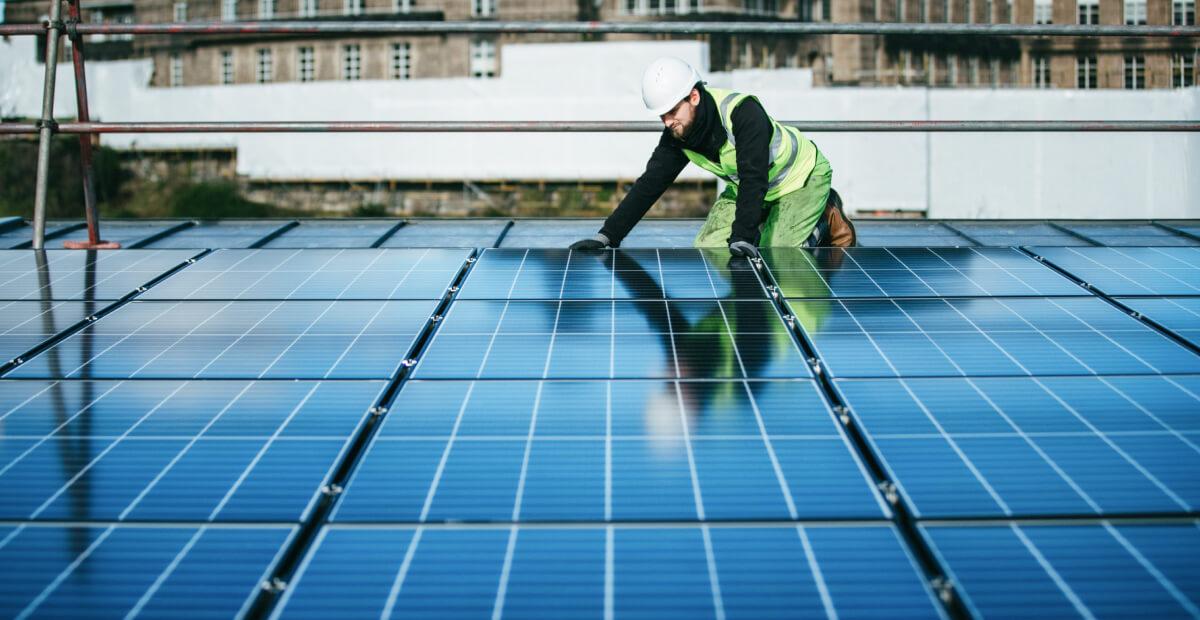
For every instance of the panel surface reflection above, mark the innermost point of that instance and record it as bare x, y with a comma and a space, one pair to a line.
912, 272
1027, 447
167, 450
992, 336
612, 339
119, 571
239, 340
82, 275
1131, 271
1071, 571
612, 274
523, 572
315, 274
609, 451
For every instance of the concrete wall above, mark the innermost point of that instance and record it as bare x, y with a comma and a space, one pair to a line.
950, 175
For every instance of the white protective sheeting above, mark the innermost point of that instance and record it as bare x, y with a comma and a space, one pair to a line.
994, 175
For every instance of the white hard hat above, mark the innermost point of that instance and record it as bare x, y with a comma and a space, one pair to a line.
666, 82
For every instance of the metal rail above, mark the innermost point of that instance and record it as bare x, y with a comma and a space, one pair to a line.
597, 127
680, 28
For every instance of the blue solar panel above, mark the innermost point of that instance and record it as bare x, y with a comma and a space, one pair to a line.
611, 340
315, 274
683, 572
239, 340
1131, 271
118, 571
21, 236
1015, 232
26, 324
910, 233
651, 233
219, 234
600, 451
333, 234
1181, 315
557, 233
912, 272
75, 275
986, 336
447, 234
173, 451
125, 232
1091, 571
1128, 233
618, 274
1025, 447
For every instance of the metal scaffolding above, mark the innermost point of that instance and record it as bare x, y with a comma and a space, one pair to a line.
56, 27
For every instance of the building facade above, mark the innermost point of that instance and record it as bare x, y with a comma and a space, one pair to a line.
849, 60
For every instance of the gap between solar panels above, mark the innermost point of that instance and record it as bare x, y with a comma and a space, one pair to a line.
75, 328
906, 524
300, 545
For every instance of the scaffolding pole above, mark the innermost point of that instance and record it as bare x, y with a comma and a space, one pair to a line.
46, 124
410, 27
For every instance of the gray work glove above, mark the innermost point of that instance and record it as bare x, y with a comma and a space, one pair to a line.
743, 248
599, 242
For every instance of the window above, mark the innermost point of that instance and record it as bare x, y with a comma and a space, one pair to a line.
1085, 72
226, 66
994, 69
973, 71
1089, 12
947, 13
1183, 71
483, 8
180, 14
1135, 72
901, 10
1135, 12
266, 9
988, 9
952, 69
352, 7
483, 58
1041, 72
97, 17
1043, 12
304, 64
401, 61
970, 11
658, 7
402, 6
1183, 12
756, 7
308, 8
229, 10
351, 62
176, 70
265, 69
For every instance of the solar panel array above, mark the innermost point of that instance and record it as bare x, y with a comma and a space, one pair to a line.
513, 432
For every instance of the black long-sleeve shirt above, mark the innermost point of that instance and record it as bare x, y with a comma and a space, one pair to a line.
752, 134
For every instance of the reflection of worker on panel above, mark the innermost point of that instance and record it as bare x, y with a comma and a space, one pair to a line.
777, 191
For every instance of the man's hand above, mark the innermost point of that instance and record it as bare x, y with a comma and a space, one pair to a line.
595, 244
744, 249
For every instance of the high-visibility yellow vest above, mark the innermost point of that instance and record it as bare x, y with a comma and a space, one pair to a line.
792, 155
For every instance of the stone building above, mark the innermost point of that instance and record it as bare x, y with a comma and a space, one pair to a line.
850, 60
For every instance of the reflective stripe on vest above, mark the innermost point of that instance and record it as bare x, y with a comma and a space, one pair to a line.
782, 172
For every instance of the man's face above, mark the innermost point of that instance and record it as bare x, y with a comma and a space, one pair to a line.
679, 119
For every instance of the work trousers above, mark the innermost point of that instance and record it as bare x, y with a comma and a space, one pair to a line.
789, 221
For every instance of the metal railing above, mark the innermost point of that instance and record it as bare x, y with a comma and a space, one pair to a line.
55, 28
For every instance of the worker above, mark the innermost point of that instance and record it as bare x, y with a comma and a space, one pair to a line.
777, 189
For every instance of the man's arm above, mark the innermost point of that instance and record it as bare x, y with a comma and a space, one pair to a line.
752, 133
664, 166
